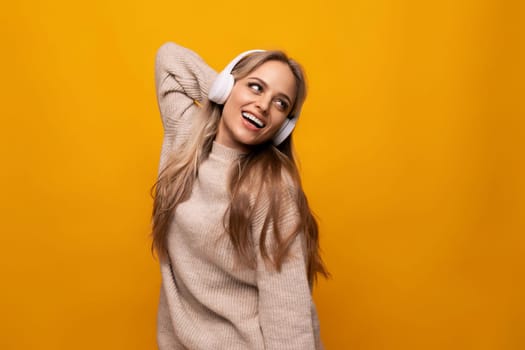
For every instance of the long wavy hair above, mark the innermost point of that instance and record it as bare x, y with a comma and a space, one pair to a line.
247, 185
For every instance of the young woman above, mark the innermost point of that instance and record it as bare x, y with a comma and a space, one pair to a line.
236, 239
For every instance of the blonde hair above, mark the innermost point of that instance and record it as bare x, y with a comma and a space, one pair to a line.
246, 183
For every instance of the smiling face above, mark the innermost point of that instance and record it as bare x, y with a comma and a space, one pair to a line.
257, 106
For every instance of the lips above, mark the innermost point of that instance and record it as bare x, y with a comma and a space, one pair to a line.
258, 123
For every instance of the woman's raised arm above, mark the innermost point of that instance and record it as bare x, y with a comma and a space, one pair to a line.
182, 80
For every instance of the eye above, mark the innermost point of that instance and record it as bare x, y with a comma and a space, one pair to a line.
255, 87
281, 104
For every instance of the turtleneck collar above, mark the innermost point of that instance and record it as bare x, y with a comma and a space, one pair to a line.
224, 152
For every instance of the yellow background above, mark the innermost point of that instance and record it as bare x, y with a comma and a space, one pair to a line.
411, 146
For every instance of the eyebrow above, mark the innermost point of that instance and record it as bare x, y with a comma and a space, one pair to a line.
265, 85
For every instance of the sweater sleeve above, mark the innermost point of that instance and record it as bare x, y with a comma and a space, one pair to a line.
182, 79
287, 315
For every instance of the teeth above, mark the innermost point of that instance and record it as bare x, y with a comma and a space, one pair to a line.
253, 118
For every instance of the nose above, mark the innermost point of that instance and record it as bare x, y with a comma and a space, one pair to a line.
263, 102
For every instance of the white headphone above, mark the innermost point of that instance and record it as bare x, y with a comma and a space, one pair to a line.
222, 86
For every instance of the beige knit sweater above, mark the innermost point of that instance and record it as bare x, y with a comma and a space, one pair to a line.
207, 300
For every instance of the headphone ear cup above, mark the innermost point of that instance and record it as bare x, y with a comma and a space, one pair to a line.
285, 131
221, 88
